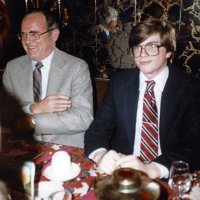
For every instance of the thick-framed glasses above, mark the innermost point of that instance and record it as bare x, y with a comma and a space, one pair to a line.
32, 35
151, 49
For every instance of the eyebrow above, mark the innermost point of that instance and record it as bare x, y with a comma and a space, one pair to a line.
30, 32
150, 43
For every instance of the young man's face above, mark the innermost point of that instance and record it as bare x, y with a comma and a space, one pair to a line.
152, 65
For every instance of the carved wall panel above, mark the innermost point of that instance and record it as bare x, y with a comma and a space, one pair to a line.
78, 16
188, 50
185, 15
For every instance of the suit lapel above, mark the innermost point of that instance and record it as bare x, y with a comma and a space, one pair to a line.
26, 72
55, 73
168, 103
131, 101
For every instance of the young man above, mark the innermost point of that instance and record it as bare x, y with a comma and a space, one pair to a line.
53, 87
119, 133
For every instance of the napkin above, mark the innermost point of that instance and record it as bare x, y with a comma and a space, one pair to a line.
194, 194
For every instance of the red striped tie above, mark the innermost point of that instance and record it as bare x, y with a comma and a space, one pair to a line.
149, 134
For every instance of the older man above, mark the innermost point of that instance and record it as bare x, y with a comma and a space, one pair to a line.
53, 87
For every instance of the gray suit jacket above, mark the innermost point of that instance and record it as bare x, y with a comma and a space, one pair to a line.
68, 76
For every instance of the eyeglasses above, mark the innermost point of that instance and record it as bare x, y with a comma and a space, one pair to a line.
150, 49
32, 35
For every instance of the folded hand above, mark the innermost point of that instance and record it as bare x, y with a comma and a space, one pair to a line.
130, 161
107, 162
134, 162
52, 103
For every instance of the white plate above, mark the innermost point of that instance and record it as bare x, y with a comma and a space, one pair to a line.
66, 177
46, 188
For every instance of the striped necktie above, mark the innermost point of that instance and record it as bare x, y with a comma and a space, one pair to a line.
149, 133
37, 81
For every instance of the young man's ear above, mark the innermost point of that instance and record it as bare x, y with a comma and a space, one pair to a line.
169, 54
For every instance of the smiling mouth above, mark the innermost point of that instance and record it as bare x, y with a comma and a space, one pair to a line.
31, 47
144, 62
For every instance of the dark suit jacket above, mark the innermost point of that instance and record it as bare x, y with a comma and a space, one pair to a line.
114, 124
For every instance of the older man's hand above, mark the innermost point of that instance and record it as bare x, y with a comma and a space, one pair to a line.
52, 103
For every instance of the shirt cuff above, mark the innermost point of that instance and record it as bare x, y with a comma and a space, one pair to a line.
26, 109
91, 156
164, 171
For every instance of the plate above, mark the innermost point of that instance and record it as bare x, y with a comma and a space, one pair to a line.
153, 190
46, 188
157, 189
165, 190
66, 177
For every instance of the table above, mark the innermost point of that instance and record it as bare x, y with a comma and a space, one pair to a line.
40, 152
79, 186
26, 149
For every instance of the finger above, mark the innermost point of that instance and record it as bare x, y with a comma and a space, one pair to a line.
126, 164
63, 102
114, 155
105, 168
107, 163
59, 109
58, 96
124, 159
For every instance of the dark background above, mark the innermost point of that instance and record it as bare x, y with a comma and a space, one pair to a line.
81, 14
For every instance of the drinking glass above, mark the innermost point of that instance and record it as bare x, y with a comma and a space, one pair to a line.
179, 178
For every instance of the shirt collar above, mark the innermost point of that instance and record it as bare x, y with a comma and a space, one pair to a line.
46, 61
160, 79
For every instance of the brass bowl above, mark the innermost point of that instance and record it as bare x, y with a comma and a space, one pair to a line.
127, 184
128, 180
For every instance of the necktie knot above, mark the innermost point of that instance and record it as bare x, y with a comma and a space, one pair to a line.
39, 65
150, 86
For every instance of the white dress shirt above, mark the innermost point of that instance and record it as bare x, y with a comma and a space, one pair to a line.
160, 81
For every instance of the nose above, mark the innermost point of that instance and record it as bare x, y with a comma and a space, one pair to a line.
27, 39
143, 52
27, 36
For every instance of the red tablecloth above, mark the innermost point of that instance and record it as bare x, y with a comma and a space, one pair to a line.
79, 186
41, 153
28, 149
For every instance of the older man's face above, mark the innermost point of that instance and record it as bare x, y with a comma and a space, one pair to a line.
38, 49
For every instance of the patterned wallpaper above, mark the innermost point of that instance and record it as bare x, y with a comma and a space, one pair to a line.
183, 14
78, 16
